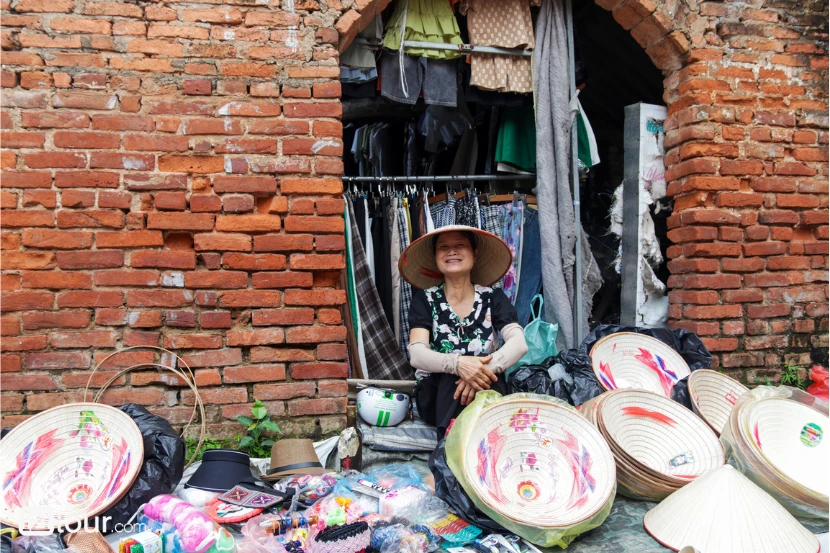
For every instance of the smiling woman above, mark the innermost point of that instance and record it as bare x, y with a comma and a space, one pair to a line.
456, 318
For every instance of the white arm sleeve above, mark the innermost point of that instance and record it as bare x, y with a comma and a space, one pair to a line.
423, 358
513, 349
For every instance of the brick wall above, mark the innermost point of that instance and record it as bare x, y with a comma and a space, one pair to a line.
171, 178
170, 175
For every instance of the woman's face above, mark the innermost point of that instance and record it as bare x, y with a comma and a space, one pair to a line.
454, 254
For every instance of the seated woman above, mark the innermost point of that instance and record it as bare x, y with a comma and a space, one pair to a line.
455, 320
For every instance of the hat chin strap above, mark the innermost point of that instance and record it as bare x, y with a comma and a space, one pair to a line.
315, 464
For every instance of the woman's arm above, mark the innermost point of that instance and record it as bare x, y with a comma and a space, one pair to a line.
471, 369
513, 349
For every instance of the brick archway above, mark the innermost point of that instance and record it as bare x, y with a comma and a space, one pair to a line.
746, 159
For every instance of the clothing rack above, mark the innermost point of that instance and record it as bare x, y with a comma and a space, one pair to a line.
460, 48
441, 178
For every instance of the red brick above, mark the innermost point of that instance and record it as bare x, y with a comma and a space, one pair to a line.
257, 337
26, 301
193, 341
214, 358
90, 299
84, 339
163, 259
714, 282
283, 243
131, 239
191, 164
60, 319
332, 352
746, 265
248, 223
283, 317
111, 317
720, 344
316, 334
282, 280
205, 203
712, 311
766, 280
222, 242
28, 260
27, 179
118, 277
22, 139
269, 355
180, 221
29, 382
317, 262
250, 298
22, 343
159, 298
90, 218
180, 319
252, 185
215, 319
284, 391
311, 186
24, 218
254, 262
131, 162
106, 198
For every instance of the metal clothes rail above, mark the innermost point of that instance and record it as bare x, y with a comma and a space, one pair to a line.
441, 178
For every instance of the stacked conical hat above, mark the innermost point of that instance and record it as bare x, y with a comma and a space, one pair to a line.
724, 512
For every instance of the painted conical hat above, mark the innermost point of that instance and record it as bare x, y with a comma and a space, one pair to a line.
724, 512
790, 436
71, 462
659, 436
713, 396
538, 463
631, 360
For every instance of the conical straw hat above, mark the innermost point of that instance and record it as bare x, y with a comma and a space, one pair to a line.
71, 462
724, 512
713, 396
659, 436
790, 436
538, 463
417, 264
631, 360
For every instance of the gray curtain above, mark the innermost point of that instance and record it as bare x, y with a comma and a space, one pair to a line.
553, 144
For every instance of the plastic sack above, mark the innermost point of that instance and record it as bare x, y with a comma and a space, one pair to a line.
396, 476
819, 387
539, 335
576, 386
161, 470
397, 538
684, 342
50, 543
456, 447
740, 443
260, 539
449, 489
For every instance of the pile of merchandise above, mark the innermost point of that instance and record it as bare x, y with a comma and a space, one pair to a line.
514, 474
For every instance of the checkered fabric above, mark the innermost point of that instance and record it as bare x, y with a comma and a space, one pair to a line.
384, 360
406, 288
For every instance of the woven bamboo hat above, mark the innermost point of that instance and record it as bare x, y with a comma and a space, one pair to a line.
713, 396
417, 263
524, 452
631, 360
658, 445
724, 512
790, 436
71, 462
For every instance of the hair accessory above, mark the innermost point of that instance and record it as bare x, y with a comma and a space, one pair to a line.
349, 538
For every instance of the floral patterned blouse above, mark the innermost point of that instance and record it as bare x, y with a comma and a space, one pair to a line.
476, 335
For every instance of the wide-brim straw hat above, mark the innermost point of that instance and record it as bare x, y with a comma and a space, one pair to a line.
293, 456
713, 396
790, 436
724, 512
631, 360
656, 441
538, 449
417, 263
72, 462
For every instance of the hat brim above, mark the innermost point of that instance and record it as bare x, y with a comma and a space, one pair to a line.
310, 471
418, 267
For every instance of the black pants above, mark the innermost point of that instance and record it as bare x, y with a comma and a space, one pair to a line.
436, 405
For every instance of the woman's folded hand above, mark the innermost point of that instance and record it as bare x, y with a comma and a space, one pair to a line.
474, 371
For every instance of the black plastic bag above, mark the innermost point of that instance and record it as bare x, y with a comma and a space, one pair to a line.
686, 343
161, 470
579, 388
448, 489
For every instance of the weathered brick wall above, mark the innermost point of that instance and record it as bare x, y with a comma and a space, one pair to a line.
170, 174
171, 178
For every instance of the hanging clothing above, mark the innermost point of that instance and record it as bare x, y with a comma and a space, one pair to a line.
429, 223
382, 237
406, 288
359, 55
384, 359
510, 222
404, 78
370, 242
425, 21
355, 329
443, 213
556, 212
415, 219
466, 212
491, 220
530, 266
394, 257
516, 144
502, 23
586, 141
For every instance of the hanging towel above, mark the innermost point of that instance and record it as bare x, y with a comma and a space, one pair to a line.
586, 141
384, 360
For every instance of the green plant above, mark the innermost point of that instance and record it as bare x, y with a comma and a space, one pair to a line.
208, 443
791, 377
254, 442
